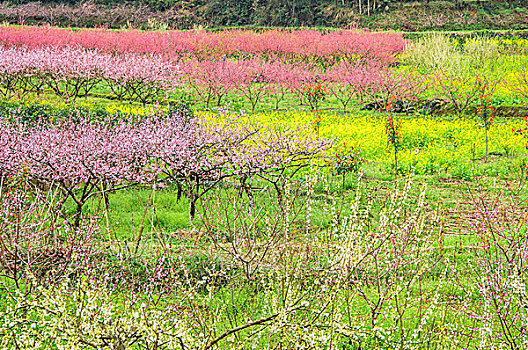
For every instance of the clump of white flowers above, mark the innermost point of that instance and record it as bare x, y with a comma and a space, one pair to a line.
77, 314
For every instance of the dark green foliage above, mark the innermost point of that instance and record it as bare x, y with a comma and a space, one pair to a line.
35, 111
183, 108
229, 12
288, 13
407, 15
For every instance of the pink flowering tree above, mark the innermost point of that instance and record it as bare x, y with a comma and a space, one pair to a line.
212, 79
140, 78
77, 156
283, 79
199, 154
353, 81
256, 81
297, 78
72, 72
398, 88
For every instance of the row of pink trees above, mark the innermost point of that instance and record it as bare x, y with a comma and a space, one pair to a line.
323, 46
358, 81
72, 72
253, 79
82, 158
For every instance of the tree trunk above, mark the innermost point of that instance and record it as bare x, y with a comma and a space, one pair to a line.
395, 162
192, 210
78, 215
486, 145
178, 196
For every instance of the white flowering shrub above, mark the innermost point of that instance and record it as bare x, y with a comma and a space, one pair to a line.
78, 314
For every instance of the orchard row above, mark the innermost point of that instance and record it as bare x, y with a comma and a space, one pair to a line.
83, 157
298, 45
73, 72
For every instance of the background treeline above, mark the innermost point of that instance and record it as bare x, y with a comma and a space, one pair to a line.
375, 14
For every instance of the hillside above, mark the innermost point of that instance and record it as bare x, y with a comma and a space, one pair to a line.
408, 16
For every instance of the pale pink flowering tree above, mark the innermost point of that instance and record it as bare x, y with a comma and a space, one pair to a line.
353, 81
72, 72
15, 73
212, 79
280, 154
256, 81
203, 153
140, 77
69, 72
79, 157
498, 272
